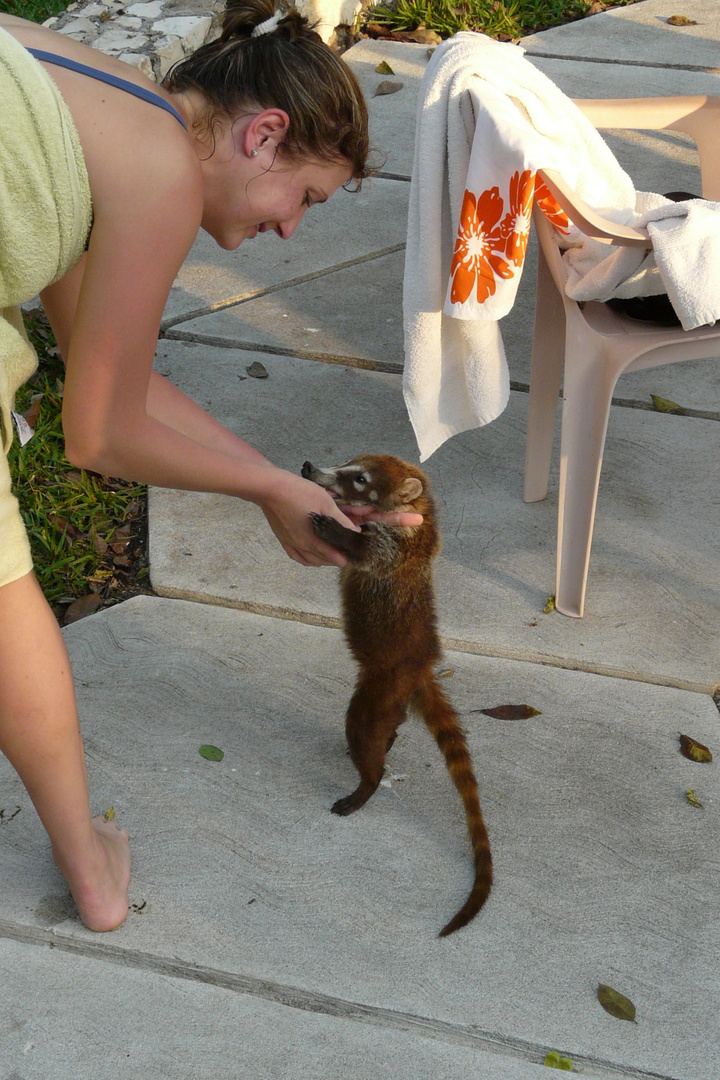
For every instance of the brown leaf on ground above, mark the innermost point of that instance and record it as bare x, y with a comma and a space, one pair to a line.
256, 370
377, 30
32, 414
681, 20
387, 87
510, 712
694, 750
384, 68
63, 526
83, 606
423, 36
615, 1003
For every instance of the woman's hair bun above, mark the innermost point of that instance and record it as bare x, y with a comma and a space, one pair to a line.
241, 17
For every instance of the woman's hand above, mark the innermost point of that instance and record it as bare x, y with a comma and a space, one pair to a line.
288, 507
359, 514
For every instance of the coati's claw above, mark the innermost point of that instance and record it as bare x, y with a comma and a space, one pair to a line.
335, 534
324, 526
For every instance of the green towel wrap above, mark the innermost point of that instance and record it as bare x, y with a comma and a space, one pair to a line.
45, 219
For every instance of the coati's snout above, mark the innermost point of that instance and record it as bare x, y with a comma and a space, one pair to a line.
324, 478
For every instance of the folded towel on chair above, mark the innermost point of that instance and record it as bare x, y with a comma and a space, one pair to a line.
45, 207
487, 120
683, 262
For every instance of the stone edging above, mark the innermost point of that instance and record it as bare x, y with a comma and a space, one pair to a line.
152, 35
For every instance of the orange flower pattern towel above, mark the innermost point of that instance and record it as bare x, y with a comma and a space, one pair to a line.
487, 121
493, 235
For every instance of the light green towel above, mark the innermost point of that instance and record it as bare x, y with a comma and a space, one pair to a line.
45, 207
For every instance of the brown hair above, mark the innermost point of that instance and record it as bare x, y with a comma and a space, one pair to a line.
289, 68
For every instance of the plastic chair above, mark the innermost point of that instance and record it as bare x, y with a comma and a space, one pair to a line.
594, 344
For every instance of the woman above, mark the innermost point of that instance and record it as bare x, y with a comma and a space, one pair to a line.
102, 193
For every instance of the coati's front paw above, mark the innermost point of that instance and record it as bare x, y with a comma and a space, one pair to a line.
335, 534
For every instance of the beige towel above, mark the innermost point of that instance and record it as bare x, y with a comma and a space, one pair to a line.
45, 207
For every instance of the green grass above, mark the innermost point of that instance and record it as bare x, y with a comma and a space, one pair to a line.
35, 10
86, 531
504, 19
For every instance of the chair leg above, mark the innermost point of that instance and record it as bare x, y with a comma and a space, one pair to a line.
587, 393
545, 374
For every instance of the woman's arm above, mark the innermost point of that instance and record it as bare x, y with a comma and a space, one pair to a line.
120, 418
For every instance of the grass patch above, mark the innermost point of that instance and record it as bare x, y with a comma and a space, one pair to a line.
87, 532
35, 10
503, 19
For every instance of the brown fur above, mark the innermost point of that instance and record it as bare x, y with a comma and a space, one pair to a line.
390, 625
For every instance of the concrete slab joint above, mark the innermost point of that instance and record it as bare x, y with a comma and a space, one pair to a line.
154, 35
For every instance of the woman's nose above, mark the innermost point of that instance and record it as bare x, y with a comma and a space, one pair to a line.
286, 228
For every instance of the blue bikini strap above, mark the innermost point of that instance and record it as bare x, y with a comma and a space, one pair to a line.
111, 80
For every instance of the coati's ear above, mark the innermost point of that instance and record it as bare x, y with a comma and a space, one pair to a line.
410, 489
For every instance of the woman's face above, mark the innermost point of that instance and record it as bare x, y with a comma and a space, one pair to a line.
248, 193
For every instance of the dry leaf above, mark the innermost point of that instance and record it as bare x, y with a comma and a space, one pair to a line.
387, 87
694, 750
549, 605
510, 712
84, 605
31, 416
423, 36
109, 814
681, 20
256, 370
615, 1003
446, 673
693, 799
665, 405
384, 68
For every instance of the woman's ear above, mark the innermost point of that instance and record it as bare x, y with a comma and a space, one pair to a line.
265, 131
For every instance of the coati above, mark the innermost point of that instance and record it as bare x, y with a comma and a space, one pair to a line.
390, 625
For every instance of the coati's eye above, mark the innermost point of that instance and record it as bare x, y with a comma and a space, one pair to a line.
360, 480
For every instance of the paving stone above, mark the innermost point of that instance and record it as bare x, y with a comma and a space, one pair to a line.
348, 228
639, 34
652, 608
62, 1018
355, 312
603, 870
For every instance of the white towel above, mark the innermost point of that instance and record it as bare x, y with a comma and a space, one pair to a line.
487, 120
683, 262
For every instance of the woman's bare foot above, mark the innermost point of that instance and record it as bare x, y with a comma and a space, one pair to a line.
100, 885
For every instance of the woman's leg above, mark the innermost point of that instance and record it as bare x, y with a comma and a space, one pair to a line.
40, 735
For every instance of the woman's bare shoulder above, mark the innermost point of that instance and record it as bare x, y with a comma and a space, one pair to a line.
140, 159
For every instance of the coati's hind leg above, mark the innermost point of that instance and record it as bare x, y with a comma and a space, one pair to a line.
442, 720
371, 724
